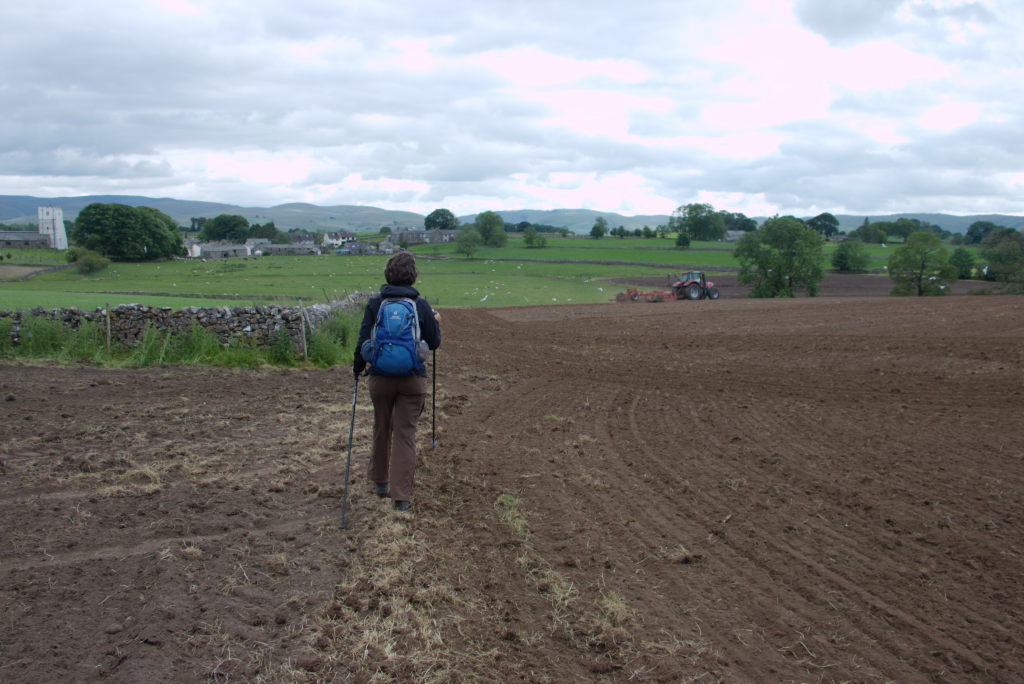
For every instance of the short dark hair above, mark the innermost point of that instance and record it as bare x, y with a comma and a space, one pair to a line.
401, 269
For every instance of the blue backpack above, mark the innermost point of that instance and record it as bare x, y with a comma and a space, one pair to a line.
395, 347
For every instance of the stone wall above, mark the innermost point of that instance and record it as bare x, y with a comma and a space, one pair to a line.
260, 324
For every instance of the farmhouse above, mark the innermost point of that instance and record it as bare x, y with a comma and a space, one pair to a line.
338, 239
219, 251
423, 237
364, 248
23, 238
294, 249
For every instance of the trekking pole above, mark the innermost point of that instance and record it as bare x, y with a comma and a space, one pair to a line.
433, 401
348, 461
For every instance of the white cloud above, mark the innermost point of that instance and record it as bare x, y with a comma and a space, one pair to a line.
784, 106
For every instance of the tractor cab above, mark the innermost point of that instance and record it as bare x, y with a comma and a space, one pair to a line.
693, 285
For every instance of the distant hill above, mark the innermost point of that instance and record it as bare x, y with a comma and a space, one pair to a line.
22, 209
576, 220
954, 224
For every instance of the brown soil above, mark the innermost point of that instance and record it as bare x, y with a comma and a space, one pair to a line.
737, 491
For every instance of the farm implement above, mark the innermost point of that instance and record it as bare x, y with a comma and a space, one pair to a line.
692, 285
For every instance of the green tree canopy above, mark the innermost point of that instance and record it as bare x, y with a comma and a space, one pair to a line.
850, 255
467, 241
735, 220
978, 231
267, 231
1004, 250
534, 239
600, 228
228, 227
963, 260
699, 221
779, 258
125, 233
921, 267
826, 224
440, 219
872, 233
491, 228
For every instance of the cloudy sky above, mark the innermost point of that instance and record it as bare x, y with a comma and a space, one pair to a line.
759, 106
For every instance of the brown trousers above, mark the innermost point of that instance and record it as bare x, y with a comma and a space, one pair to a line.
397, 405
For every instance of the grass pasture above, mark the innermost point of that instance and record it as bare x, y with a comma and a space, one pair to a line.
567, 270
447, 281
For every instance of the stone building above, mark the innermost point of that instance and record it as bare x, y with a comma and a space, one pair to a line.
51, 224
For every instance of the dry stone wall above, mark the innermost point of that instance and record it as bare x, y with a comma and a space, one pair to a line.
260, 324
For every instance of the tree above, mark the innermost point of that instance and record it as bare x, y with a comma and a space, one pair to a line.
850, 255
440, 219
904, 228
872, 233
978, 231
491, 228
738, 221
120, 232
227, 227
921, 267
268, 231
533, 239
600, 228
963, 261
826, 224
682, 240
467, 241
782, 256
1004, 250
161, 232
385, 230
699, 221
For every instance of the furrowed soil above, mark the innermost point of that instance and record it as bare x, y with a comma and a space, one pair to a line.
806, 490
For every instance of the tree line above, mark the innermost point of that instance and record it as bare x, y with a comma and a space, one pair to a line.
779, 258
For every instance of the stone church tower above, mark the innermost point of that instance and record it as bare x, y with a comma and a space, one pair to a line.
51, 223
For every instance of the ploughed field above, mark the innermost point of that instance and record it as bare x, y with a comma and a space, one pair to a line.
736, 490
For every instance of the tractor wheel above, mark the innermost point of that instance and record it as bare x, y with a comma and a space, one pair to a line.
713, 293
620, 297
693, 291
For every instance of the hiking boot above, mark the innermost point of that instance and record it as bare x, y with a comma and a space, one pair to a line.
380, 489
403, 505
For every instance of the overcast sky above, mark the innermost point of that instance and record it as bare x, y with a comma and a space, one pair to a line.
759, 106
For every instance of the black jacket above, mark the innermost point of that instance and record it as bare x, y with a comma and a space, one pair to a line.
430, 331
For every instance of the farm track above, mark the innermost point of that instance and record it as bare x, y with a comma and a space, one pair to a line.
737, 491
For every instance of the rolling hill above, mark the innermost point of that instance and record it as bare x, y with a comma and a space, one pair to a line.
22, 209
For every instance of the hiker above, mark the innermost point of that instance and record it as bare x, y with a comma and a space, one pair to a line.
398, 399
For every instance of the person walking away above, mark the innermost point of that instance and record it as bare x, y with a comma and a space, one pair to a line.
398, 394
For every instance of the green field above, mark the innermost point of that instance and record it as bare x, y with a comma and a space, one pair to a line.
510, 276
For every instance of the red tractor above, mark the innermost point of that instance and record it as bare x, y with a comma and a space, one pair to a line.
693, 285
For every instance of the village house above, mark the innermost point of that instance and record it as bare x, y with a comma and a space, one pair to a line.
221, 251
257, 246
294, 249
423, 237
338, 238
23, 238
364, 248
